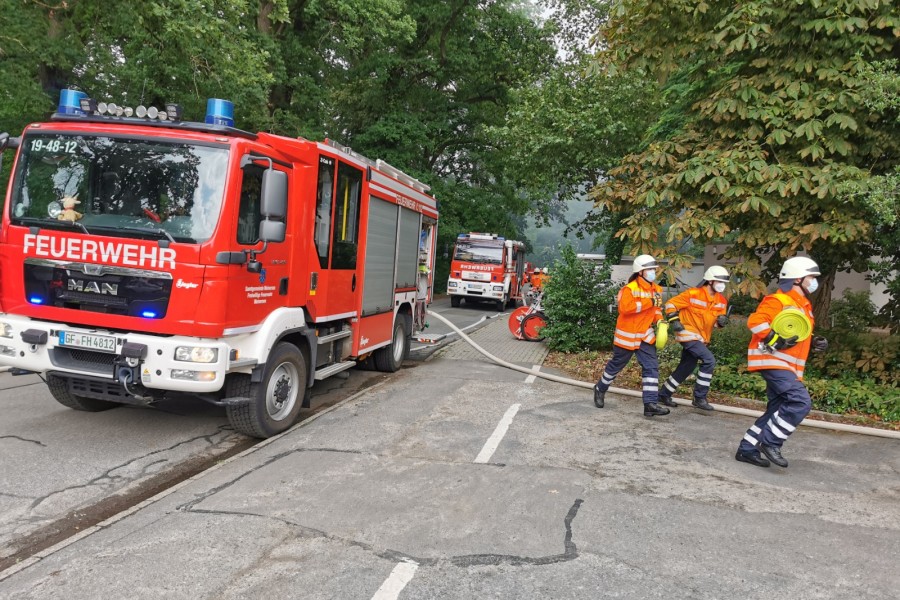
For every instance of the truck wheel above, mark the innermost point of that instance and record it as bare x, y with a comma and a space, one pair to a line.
59, 389
455, 301
501, 304
276, 400
389, 358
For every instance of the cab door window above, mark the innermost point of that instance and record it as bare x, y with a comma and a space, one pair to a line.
324, 196
249, 215
346, 217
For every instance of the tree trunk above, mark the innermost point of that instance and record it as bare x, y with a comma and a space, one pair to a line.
821, 300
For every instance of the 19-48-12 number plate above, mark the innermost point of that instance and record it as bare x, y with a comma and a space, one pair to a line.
88, 341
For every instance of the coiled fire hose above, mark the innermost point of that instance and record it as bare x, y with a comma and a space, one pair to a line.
885, 433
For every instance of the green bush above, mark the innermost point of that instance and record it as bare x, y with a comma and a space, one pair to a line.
742, 304
838, 396
729, 344
577, 300
854, 311
858, 355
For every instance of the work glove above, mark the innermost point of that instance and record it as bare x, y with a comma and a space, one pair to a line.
721, 321
674, 323
773, 341
819, 344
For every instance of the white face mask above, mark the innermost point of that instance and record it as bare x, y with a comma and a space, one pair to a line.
650, 275
719, 286
811, 286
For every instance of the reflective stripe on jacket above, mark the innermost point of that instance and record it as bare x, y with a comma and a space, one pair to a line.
697, 312
760, 324
637, 314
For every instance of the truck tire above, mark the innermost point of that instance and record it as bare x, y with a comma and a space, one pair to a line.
59, 389
532, 327
389, 358
501, 304
455, 301
275, 402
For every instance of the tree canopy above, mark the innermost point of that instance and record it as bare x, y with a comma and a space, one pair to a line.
765, 123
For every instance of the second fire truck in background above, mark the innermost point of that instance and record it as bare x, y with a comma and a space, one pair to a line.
486, 267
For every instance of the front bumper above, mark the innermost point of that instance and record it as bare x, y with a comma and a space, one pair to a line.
37, 346
475, 289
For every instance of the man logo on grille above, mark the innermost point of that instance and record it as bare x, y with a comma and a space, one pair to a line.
93, 287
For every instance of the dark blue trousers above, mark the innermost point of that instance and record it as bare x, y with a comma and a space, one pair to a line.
789, 403
691, 354
646, 356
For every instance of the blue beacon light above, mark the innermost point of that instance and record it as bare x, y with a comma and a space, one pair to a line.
219, 112
36, 300
149, 314
70, 102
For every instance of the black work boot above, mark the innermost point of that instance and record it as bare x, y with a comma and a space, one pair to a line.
667, 400
701, 404
598, 397
751, 456
774, 454
652, 409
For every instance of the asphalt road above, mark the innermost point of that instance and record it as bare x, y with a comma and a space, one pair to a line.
455, 478
63, 470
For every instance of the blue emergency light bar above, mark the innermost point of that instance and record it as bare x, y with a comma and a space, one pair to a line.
75, 105
480, 236
219, 112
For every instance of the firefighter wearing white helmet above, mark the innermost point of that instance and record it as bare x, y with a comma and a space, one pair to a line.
642, 262
640, 308
692, 315
781, 361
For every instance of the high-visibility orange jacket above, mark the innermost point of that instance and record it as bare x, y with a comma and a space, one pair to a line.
760, 324
697, 310
639, 309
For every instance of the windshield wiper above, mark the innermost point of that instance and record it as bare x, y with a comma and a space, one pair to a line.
39, 223
141, 230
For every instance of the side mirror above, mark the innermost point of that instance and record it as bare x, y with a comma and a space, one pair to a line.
274, 195
4, 141
271, 231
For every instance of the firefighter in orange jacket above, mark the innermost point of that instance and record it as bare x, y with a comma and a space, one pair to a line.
781, 362
640, 304
692, 314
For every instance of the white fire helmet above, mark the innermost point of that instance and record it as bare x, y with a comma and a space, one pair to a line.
799, 267
716, 273
644, 261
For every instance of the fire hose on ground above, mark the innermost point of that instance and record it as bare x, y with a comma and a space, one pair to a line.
886, 433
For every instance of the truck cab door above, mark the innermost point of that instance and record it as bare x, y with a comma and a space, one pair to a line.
253, 296
336, 291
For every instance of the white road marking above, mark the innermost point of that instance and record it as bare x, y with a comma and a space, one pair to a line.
494, 441
396, 581
531, 378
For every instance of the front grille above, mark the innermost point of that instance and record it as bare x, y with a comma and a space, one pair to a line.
81, 297
97, 288
85, 360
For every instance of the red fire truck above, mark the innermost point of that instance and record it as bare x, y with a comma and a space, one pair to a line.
486, 267
145, 256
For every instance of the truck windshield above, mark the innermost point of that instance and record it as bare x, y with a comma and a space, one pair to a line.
119, 186
479, 252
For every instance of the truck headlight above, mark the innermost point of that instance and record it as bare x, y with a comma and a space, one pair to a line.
498, 288
451, 284
6, 330
197, 354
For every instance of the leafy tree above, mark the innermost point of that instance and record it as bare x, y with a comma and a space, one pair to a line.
765, 121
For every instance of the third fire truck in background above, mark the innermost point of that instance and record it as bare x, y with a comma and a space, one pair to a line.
486, 267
